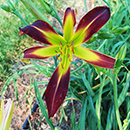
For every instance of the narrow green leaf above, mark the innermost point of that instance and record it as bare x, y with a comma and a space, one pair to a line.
8, 81
73, 119
41, 105
110, 118
83, 114
126, 122
87, 85
46, 6
16, 90
126, 86
98, 102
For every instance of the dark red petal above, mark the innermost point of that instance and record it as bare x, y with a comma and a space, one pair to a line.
42, 32
68, 23
93, 21
28, 53
67, 12
94, 57
104, 61
56, 91
40, 52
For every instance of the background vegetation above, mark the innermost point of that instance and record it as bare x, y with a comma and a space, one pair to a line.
11, 44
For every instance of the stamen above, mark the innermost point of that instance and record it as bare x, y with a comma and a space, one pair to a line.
72, 46
69, 57
60, 43
56, 51
61, 52
73, 49
62, 66
56, 54
72, 43
56, 57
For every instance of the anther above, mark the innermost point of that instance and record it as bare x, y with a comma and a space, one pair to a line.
56, 57
72, 43
62, 66
61, 52
73, 50
60, 43
69, 57
56, 54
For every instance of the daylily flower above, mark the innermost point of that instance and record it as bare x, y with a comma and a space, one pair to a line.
6, 112
66, 47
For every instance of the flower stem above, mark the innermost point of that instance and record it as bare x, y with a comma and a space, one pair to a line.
102, 45
55, 61
57, 16
19, 16
85, 6
116, 102
98, 103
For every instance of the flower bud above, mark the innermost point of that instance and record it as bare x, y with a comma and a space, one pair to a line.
11, 6
122, 52
119, 30
110, 24
46, 6
120, 56
118, 63
6, 8
106, 35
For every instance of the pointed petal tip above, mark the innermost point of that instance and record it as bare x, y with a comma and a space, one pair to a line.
90, 24
43, 32
40, 52
20, 32
27, 61
69, 22
95, 58
67, 12
56, 91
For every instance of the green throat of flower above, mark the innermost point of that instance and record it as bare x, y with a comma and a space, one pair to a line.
66, 52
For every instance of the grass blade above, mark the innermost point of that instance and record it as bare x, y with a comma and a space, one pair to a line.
83, 114
41, 105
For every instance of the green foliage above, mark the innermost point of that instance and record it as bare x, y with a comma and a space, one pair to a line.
11, 45
41, 105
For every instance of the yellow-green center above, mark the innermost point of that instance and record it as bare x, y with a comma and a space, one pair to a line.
66, 52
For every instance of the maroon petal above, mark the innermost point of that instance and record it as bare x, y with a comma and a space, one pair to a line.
40, 52
70, 12
94, 58
68, 23
42, 32
90, 24
56, 90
